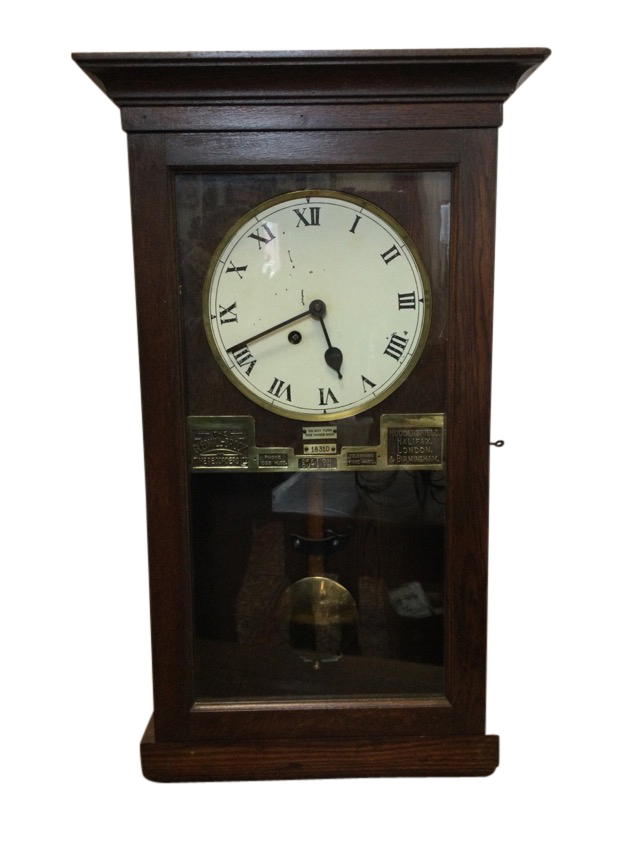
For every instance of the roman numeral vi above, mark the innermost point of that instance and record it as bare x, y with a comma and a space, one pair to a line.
326, 398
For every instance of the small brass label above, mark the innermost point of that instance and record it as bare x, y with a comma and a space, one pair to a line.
319, 433
316, 463
319, 449
362, 458
273, 459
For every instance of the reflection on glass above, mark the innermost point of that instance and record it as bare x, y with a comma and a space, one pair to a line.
319, 584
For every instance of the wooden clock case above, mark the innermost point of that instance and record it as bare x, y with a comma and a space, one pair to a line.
302, 113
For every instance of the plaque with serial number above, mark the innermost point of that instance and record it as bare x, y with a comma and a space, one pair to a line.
229, 444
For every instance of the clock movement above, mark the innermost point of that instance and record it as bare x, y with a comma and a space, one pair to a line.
313, 237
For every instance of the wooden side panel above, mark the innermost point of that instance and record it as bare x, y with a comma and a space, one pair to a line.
469, 424
164, 431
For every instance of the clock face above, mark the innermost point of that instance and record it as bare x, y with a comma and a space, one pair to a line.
317, 305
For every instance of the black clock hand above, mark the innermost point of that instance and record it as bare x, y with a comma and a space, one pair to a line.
333, 356
268, 331
317, 309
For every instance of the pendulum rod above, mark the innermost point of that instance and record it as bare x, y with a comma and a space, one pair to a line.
315, 523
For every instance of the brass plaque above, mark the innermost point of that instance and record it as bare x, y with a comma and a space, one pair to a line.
319, 433
414, 446
223, 443
413, 441
316, 463
217, 443
273, 459
319, 449
362, 458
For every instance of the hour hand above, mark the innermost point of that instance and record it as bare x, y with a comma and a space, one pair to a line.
333, 355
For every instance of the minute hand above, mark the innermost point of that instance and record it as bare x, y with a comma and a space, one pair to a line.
267, 331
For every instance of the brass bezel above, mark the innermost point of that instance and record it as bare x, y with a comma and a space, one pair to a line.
276, 407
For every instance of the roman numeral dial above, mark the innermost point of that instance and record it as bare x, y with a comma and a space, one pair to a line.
317, 305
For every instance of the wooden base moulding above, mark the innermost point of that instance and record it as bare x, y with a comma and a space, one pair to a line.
321, 758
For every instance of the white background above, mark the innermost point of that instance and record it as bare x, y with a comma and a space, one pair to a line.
563, 648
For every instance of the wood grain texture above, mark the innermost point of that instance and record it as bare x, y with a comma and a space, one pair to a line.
313, 149
322, 116
311, 90
164, 430
469, 422
318, 758
311, 76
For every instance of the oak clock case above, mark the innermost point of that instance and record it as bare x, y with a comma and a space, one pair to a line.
313, 237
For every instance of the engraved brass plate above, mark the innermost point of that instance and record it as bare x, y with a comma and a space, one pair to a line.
268, 459
320, 449
362, 458
415, 442
221, 443
319, 433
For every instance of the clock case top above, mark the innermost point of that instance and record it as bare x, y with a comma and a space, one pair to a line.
263, 91
306, 111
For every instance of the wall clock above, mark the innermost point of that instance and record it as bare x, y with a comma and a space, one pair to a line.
313, 237
260, 300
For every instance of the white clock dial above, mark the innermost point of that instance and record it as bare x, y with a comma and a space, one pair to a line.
317, 305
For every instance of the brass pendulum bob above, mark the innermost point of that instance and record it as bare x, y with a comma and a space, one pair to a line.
318, 608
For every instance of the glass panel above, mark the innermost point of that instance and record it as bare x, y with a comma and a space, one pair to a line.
318, 545
254, 630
